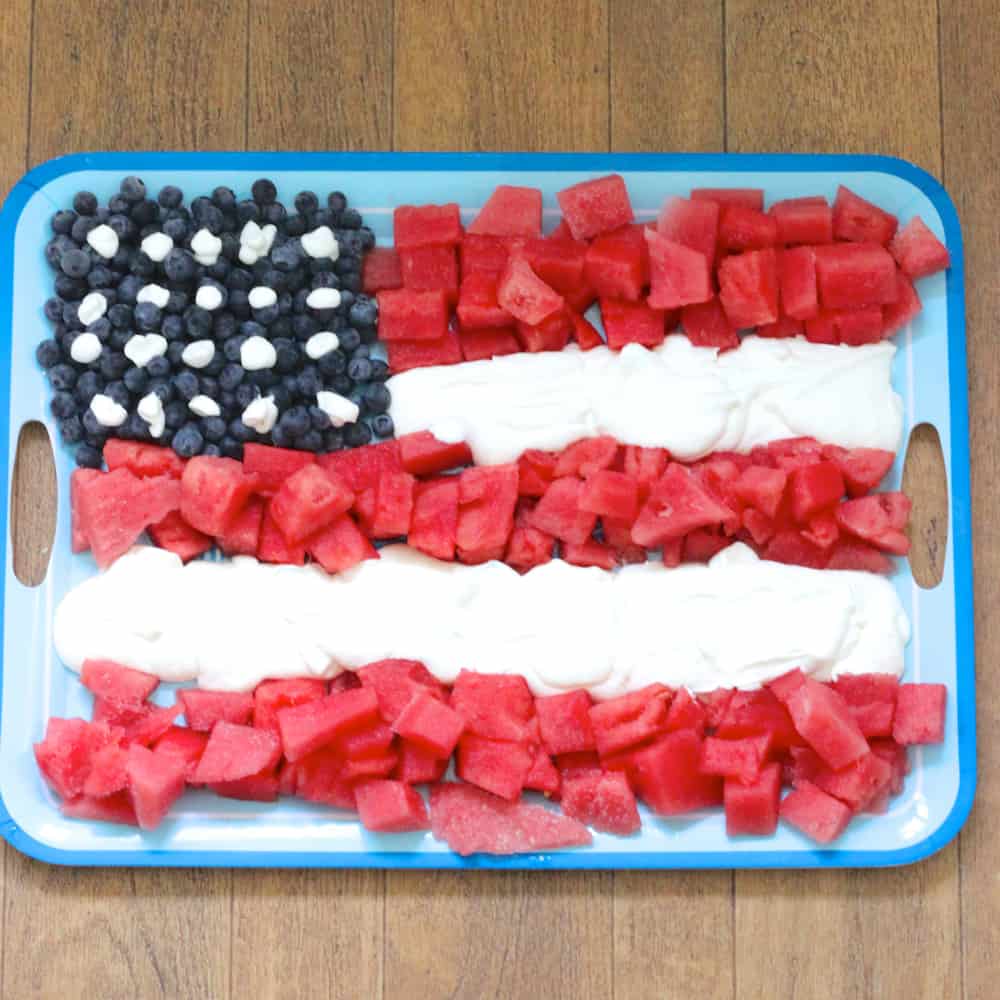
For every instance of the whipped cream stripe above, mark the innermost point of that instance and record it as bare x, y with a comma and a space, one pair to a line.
735, 622
690, 400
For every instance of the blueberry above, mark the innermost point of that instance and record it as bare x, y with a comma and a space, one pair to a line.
180, 266
231, 348
135, 427
136, 380
133, 189
62, 377
288, 356
263, 379
123, 226
88, 385
263, 191
334, 363
224, 325
341, 384
306, 202
213, 428
118, 392
158, 367
267, 315
345, 265
333, 439
350, 283
361, 351
117, 204
198, 323
62, 222
275, 213
239, 303
85, 203
162, 388
170, 196
210, 218
145, 213
283, 398
230, 241
359, 370
71, 316
75, 263
350, 339
53, 309
188, 442
367, 238
129, 288
364, 312
318, 419
229, 447
175, 353
356, 435
122, 260
176, 229
175, 414
147, 316
71, 428
326, 279
224, 199
142, 265
115, 365
88, 457
303, 327
350, 218
48, 354
177, 302
312, 440
101, 329
308, 383
212, 450
240, 279
186, 385
287, 257
92, 427
383, 426
53, 254
208, 386
239, 430
101, 276
281, 438
299, 301
82, 228
274, 279
377, 398
321, 265
219, 269
119, 338
62, 404
282, 326
245, 395
296, 421
215, 366
295, 226
247, 211
336, 201
294, 280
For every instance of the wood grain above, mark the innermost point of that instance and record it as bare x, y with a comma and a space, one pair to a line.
970, 40
843, 76
314, 934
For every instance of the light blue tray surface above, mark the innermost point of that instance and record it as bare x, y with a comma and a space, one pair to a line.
929, 372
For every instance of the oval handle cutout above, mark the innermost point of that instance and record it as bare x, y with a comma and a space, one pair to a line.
33, 504
926, 484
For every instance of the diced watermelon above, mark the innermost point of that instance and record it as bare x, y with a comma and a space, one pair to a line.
715, 703
762, 488
269, 697
552, 334
410, 315
667, 775
434, 524
308, 501
753, 713
524, 295
478, 307
616, 267
430, 269
920, 711
558, 513
611, 494
862, 468
510, 211
314, 724
747, 197
897, 757
703, 544
694, 224
107, 773
77, 481
543, 777
380, 270
904, 310
578, 765
183, 744
859, 221
493, 765
243, 536
272, 546
428, 723
272, 465
390, 807
743, 228
143, 460
595, 206
536, 470
752, 809
426, 225
175, 535
415, 766
360, 468
367, 743
472, 821
822, 328
859, 783
677, 505
759, 526
319, 777
863, 689
151, 725
395, 682
647, 465
821, 529
707, 325
481, 345
918, 251
260, 787
590, 552
155, 783
112, 681
784, 327
586, 457
393, 505
528, 547
799, 291
482, 255
686, 712
813, 488
878, 519
855, 275
497, 707
740, 759
678, 275
203, 709
794, 549
115, 808
560, 263
630, 720
340, 545
803, 220
824, 720
564, 721
585, 333
486, 497
816, 814
213, 492
858, 556
115, 508
748, 288
605, 802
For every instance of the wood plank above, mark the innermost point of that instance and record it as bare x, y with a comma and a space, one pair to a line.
503, 76
137, 75
842, 77
277, 951
510, 76
970, 39
663, 104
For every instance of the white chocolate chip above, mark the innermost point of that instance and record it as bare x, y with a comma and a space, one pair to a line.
104, 240
85, 348
140, 350
204, 406
107, 411
322, 343
261, 297
198, 354
206, 247
156, 246
156, 294
208, 297
257, 354
338, 408
321, 243
261, 414
92, 308
150, 408
323, 298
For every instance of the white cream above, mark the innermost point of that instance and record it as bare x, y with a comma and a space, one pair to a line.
689, 400
736, 622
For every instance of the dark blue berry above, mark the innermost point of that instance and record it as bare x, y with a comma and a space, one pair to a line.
282, 326
129, 288
231, 448
172, 327
158, 367
306, 202
198, 323
176, 229
177, 302
120, 337
287, 257
275, 213
170, 196
361, 351
319, 419
62, 404
240, 279
341, 384
145, 213
267, 315
224, 199
312, 440
212, 450
350, 339
208, 386
263, 191
295, 225
101, 276
230, 241
142, 265
180, 266
115, 365
334, 363
263, 379
308, 383
62, 222
123, 226
333, 439
101, 329
85, 203
281, 437
295, 421
350, 218
377, 398
213, 428
359, 370
299, 301
147, 316
88, 385
186, 385
135, 427
75, 263
163, 389
133, 189
136, 380
336, 201
175, 414
71, 429
48, 354
224, 325
322, 265
288, 356
118, 392
121, 263
83, 227
239, 430
357, 435
364, 312
283, 398
230, 377
303, 327
326, 279
219, 269
175, 352
367, 238
239, 303
71, 316
350, 283
188, 442
382, 425
92, 427
89, 457
231, 348
245, 395
247, 211
62, 377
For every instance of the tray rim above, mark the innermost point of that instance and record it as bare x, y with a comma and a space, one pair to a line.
959, 492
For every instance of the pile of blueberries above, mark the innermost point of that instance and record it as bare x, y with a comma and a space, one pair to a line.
212, 323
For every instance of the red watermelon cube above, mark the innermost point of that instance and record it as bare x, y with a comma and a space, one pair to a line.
878, 519
630, 720
552, 334
590, 552
858, 556
918, 251
559, 263
920, 712
406, 314
390, 807
743, 228
429, 723
859, 221
482, 255
269, 697
587, 456
694, 224
543, 777
495, 706
184, 745
752, 809
610, 494
498, 767
522, 294
260, 787
396, 682
761, 488
678, 274
707, 325
748, 288
405, 355
747, 197
510, 211
426, 226
855, 275
272, 466
78, 480
862, 468
175, 535
65, 755
564, 722
434, 524
824, 720
340, 545
203, 709
429, 269
813, 488
213, 492
799, 291
481, 345
143, 460
486, 500
816, 814
667, 775
319, 777
528, 547
632, 323
536, 470
559, 513
595, 206
616, 267
677, 504
314, 724
113, 682
605, 802
155, 783
754, 713
234, 752
115, 808
585, 333
478, 308
740, 759
360, 468
858, 784
393, 505
416, 766
686, 712
243, 536
380, 270
803, 220
308, 501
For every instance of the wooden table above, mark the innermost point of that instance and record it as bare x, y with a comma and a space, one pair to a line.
915, 78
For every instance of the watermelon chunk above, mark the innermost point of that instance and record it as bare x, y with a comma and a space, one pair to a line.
715, 703
213, 492
426, 225
803, 220
524, 295
862, 468
393, 505
686, 712
558, 513
920, 712
740, 759
175, 535
552, 334
858, 556
155, 783
762, 488
918, 251
428, 723
495, 706
509, 211
410, 315
272, 546
586, 457
272, 465
544, 776
904, 310
528, 547
694, 224
605, 802
495, 766
115, 808
243, 535
647, 465
561, 264
816, 814
754, 713
564, 722
595, 206
747, 197
743, 228
143, 460
434, 524
878, 519
204, 709
320, 778
478, 308
799, 291
269, 697
824, 720
260, 787
415, 766
678, 274
536, 470
859, 221
340, 545
590, 552
308, 501
858, 784
367, 743
630, 720
315, 724
611, 494
667, 775
107, 773
390, 807
752, 809
677, 505
64, 755
486, 498
184, 745
813, 488
77, 481
481, 345
430, 269
585, 333
855, 275
616, 267
380, 270
748, 288
111, 680
482, 255
632, 323
794, 549
396, 682
472, 821
707, 325
155, 721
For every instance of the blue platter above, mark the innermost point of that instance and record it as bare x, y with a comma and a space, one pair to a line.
929, 373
